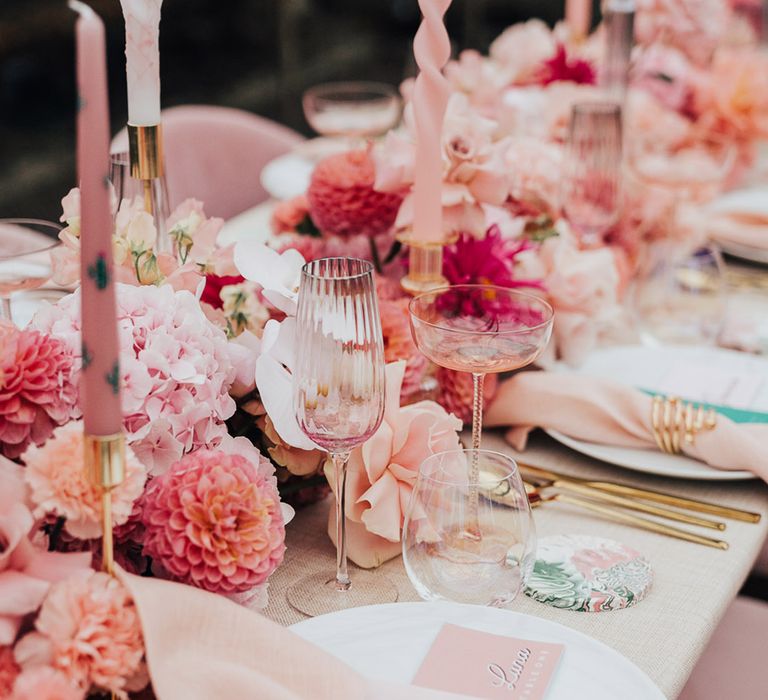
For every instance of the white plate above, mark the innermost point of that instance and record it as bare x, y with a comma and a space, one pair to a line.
749, 201
745, 252
389, 642
653, 369
287, 176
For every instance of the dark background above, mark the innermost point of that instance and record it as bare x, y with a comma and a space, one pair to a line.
257, 55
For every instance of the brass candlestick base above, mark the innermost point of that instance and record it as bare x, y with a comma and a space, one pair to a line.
425, 265
105, 467
147, 163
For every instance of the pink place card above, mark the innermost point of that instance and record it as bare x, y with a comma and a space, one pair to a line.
486, 665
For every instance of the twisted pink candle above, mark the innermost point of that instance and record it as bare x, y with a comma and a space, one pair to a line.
432, 48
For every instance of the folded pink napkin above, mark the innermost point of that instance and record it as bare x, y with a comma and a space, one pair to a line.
201, 646
597, 410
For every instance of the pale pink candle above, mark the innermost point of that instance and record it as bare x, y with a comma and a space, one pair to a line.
432, 48
142, 60
99, 383
578, 17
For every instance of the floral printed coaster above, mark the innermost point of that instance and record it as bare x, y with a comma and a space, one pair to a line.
588, 574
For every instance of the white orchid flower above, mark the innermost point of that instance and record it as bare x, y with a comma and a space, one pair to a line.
275, 382
278, 274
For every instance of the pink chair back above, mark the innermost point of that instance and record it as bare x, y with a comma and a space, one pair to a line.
216, 155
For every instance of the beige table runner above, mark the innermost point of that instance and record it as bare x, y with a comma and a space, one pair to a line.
664, 634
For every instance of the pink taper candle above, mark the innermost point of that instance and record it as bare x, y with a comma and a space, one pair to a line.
578, 17
432, 48
100, 378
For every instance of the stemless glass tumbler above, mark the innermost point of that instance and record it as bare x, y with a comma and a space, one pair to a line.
447, 561
339, 403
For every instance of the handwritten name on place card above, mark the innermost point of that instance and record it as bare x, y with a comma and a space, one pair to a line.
486, 665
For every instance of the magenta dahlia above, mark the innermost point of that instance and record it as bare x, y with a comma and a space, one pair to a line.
213, 520
37, 393
456, 392
342, 200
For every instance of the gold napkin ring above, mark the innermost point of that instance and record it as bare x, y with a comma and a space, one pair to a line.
675, 422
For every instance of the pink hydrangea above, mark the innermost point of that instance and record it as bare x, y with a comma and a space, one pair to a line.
214, 521
37, 388
177, 369
59, 484
88, 629
342, 198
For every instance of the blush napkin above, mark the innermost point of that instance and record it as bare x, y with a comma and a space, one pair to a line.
602, 411
201, 646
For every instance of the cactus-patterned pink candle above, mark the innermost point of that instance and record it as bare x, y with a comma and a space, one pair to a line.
432, 48
578, 17
100, 379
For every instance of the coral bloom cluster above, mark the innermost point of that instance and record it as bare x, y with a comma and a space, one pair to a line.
88, 630
214, 521
342, 198
177, 369
37, 391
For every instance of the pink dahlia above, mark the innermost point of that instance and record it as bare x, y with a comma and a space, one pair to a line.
59, 485
342, 198
456, 392
399, 345
489, 260
9, 669
213, 520
45, 683
88, 629
36, 388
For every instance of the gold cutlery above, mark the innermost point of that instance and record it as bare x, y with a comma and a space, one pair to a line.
536, 499
643, 494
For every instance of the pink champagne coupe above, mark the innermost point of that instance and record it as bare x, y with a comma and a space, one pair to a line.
25, 257
338, 377
480, 329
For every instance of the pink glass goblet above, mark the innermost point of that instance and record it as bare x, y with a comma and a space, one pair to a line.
338, 377
480, 329
25, 257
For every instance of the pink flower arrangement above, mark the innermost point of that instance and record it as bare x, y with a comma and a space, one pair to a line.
177, 369
562, 67
26, 571
214, 521
89, 630
289, 215
399, 345
383, 470
9, 670
343, 200
45, 683
59, 485
456, 392
490, 260
37, 388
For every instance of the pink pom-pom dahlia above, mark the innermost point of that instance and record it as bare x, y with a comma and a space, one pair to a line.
213, 520
342, 200
36, 388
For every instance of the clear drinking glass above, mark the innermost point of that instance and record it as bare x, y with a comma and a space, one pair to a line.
25, 257
338, 379
593, 169
444, 557
353, 110
682, 299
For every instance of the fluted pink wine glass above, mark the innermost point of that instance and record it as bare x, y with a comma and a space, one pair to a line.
480, 329
25, 257
338, 377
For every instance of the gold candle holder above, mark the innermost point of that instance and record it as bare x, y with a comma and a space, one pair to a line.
105, 467
425, 265
147, 158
